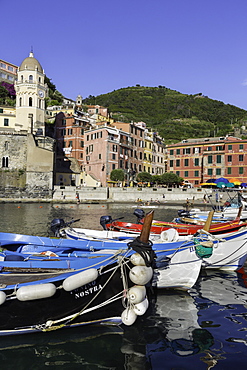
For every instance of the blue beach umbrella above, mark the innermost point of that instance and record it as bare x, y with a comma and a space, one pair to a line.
221, 179
221, 184
229, 185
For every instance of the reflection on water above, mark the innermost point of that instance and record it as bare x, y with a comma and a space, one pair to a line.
203, 329
71, 349
33, 218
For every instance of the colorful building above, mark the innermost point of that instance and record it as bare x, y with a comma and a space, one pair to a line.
198, 160
8, 72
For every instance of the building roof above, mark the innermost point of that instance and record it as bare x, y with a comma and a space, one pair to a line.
206, 141
30, 63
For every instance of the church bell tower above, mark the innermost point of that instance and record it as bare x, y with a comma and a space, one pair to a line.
31, 91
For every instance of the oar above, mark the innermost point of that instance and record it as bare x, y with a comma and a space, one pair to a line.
208, 222
144, 237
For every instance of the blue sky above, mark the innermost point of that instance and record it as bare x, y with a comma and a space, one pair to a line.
95, 46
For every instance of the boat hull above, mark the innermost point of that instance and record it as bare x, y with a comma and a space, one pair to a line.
90, 303
183, 229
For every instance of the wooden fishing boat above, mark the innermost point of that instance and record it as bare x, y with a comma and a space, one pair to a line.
44, 299
176, 265
182, 228
36, 295
229, 248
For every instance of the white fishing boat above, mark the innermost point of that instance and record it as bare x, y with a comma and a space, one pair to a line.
229, 250
230, 209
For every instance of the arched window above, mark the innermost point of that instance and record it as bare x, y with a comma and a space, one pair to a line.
20, 102
30, 78
30, 102
21, 78
40, 103
5, 162
6, 145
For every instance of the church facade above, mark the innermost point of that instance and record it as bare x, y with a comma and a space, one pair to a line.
26, 154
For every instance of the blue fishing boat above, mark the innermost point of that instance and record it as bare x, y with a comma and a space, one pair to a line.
41, 292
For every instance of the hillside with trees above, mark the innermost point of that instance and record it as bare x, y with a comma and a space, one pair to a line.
174, 115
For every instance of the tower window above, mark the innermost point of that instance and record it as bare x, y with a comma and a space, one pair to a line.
20, 102
31, 78
30, 102
6, 121
5, 162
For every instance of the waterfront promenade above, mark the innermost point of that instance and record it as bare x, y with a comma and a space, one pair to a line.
148, 195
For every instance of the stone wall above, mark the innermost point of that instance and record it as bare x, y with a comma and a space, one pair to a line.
13, 146
26, 169
69, 193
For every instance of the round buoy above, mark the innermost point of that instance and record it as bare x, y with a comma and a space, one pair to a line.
137, 260
141, 308
141, 275
136, 294
2, 297
128, 316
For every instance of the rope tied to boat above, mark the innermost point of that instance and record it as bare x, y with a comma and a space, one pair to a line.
51, 325
144, 249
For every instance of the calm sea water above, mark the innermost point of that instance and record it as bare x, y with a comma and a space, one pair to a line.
203, 329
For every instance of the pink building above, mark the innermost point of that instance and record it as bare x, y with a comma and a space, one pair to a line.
101, 152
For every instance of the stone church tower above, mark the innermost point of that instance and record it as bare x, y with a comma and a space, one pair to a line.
31, 91
26, 154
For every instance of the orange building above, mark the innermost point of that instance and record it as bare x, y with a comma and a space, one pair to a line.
198, 160
8, 72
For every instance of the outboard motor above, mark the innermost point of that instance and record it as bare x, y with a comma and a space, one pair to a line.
183, 213
56, 225
105, 220
140, 214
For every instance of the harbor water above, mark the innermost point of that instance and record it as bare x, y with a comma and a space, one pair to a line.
205, 328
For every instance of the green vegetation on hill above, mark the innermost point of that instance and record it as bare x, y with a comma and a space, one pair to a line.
54, 96
174, 115
8, 95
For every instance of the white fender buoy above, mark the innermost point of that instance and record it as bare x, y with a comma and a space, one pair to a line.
137, 260
80, 279
2, 297
38, 291
141, 308
136, 294
141, 275
128, 316
170, 235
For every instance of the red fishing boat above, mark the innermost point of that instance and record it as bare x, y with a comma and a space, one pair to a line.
182, 228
